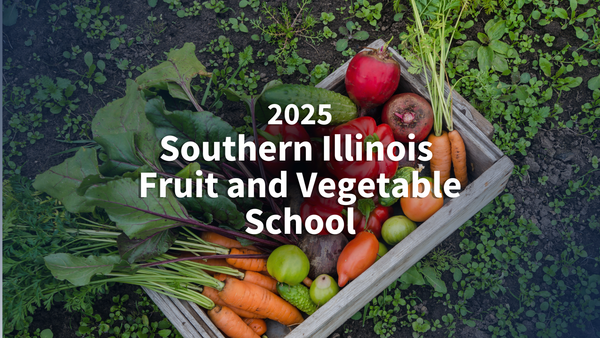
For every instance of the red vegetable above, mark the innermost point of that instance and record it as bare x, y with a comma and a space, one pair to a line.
376, 219
322, 207
408, 113
371, 133
357, 257
282, 133
372, 78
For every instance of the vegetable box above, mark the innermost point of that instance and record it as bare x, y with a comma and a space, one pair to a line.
489, 170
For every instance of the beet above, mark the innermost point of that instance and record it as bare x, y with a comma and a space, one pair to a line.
408, 113
322, 252
372, 78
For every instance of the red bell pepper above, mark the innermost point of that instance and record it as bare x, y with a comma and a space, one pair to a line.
371, 132
376, 219
282, 133
322, 207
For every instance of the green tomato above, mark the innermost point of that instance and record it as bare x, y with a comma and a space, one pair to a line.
323, 288
382, 251
396, 228
288, 264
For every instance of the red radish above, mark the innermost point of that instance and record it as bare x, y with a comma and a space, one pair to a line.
408, 113
372, 78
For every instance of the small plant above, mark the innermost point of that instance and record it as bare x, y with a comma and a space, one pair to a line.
521, 171
327, 18
542, 180
73, 53
370, 13
349, 33
563, 14
254, 4
93, 21
91, 73
30, 38
217, 5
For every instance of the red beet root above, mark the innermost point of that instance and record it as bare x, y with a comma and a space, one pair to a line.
408, 113
372, 78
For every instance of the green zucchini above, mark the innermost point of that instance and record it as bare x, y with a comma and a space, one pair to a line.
342, 108
297, 295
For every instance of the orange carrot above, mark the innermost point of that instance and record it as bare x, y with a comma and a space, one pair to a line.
459, 158
254, 278
257, 325
252, 264
213, 295
253, 298
230, 323
307, 281
441, 160
229, 243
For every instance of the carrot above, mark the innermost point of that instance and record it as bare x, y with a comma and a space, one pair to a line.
257, 325
252, 264
441, 160
213, 295
229, 243
253, 298
254, 278
459, 157
307, 281
230, 323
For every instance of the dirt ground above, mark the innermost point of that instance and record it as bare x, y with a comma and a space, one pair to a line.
553, 151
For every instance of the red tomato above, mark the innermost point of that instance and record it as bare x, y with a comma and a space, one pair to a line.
376, 219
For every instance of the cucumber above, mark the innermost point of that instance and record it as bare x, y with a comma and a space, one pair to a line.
342, 108
404, 172
297, 295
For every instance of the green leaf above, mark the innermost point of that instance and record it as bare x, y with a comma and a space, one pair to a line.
152, 3
433, 279
357, 316
79, 270
138, 217
594, 83
135, 250
47, 333
485, 57
180, 68
561, 13
189, 126
499, 64
122, 125
412, 276
581, 34
495, 30
10, 14
457, 275
366, 206
483, 38
341, 45
344, 31
499, 47
469, 292
243, 28
469, 50
221, 209
62, 181
545, 66
360, 36
88, 59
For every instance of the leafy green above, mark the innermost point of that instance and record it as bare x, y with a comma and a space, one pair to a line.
62, 181
79, 270
134, 250
175, 74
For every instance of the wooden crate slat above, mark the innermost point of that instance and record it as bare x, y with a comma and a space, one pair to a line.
404, 255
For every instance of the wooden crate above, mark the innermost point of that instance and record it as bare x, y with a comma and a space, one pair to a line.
489, 171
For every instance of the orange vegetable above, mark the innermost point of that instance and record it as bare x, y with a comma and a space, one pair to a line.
253, 298
420, 209
459, 158
252, 264
358, 255
307, 281
441, 160
257, 325
230, 323
229, 243
213, 295
254, 278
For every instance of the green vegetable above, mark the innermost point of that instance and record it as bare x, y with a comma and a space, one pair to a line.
288, 264
342, 108
405, 173
297, 295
